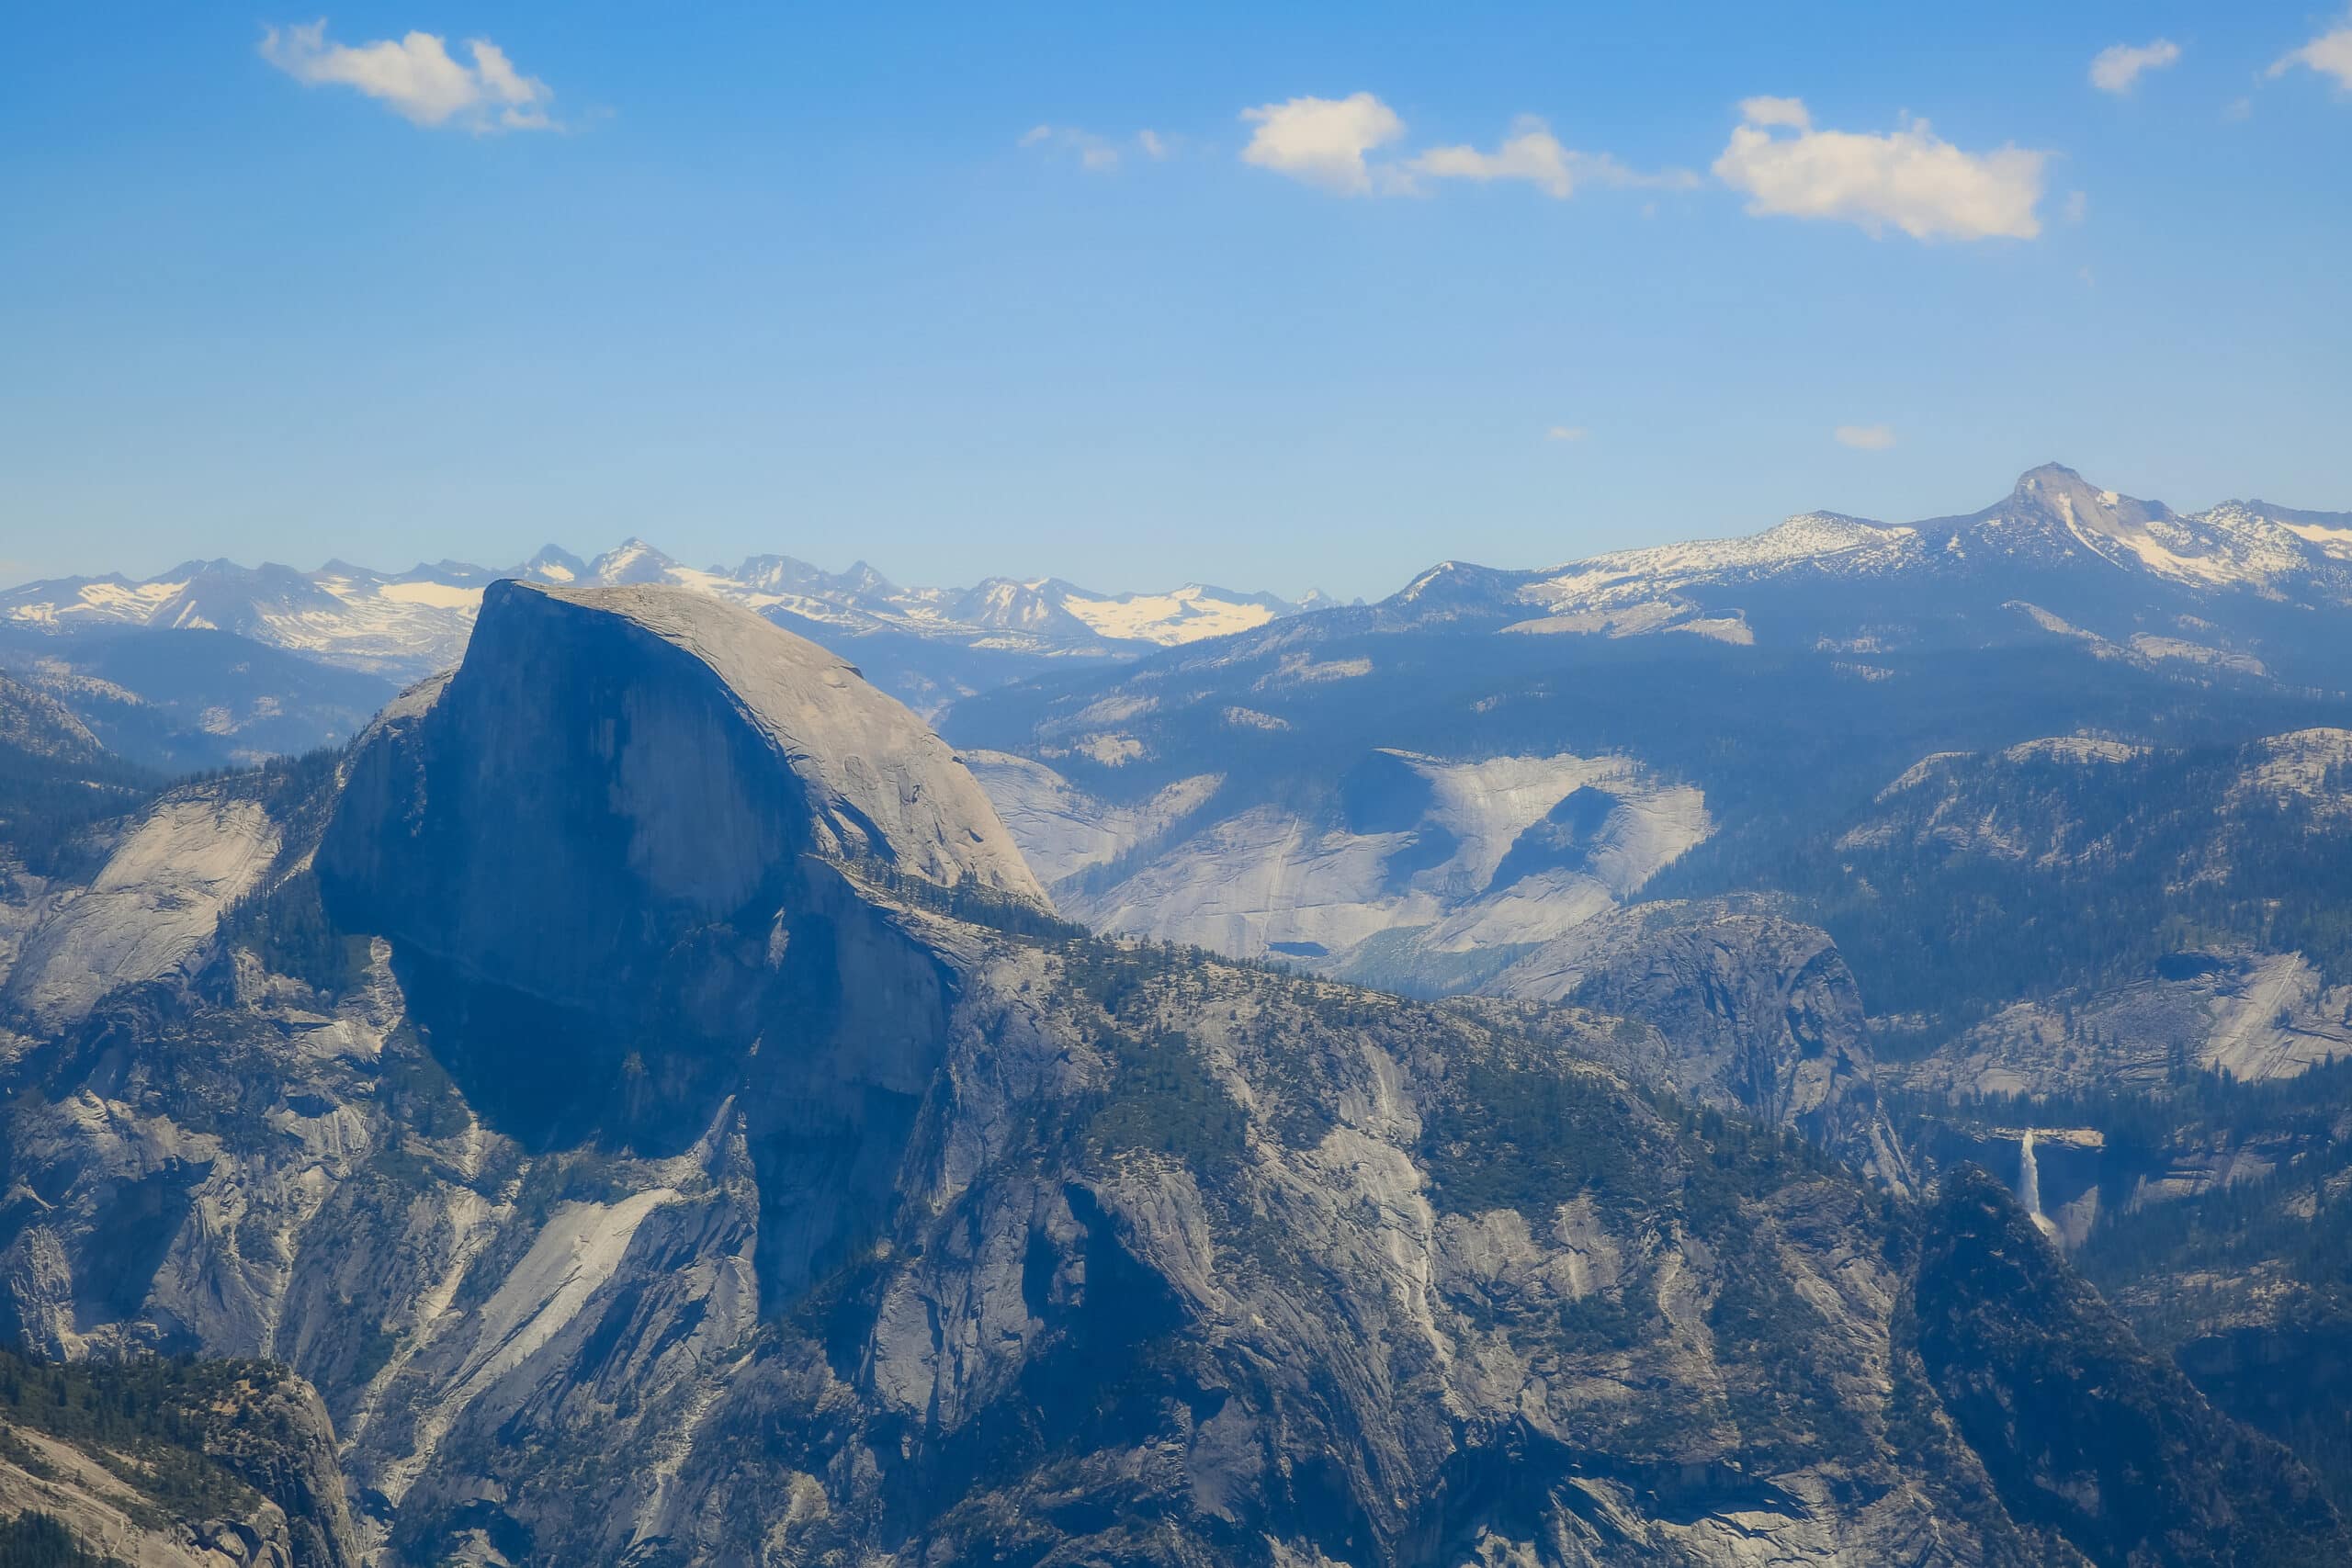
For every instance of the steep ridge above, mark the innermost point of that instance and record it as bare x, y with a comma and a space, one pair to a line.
167, 1465
182, 700
1753, 1012
684, 684
61, 793
35, 725
668, 1131
151, 908
619, 887
2084, 1433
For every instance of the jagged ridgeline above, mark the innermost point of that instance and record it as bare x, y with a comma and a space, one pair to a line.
643, 1087
168, 1463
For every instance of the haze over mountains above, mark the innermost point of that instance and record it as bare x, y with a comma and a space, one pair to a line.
640, 1085
410, 623
649, 1039
2130, 580
1497, 757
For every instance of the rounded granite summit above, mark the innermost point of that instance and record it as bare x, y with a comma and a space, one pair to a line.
616, 774
879, 782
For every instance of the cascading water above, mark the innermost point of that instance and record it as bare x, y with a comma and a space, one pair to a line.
2029, 1180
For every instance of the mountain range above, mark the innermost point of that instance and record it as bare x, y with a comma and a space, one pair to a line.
2131, 580
641, 1085
1830, 1046
934, 643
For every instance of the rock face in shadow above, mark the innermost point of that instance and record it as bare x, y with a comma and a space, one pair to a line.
702, 1149
2084, 1433
611, 769
603, 854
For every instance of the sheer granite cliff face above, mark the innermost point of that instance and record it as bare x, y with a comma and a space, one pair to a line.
668, 1131
612, 767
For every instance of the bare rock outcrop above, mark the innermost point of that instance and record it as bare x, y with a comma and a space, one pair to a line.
704, 1149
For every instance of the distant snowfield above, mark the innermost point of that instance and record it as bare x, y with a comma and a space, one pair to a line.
104, 600
440, 595
411, 623
1188, 614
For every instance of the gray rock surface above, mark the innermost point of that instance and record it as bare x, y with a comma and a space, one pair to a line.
151, 908
694, 700
1417, 874
673, 1173
196, 1466
1753, 1011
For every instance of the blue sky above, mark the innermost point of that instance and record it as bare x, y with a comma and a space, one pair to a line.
911, 284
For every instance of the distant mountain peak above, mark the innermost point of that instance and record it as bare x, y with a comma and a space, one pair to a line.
553, 564
631, 562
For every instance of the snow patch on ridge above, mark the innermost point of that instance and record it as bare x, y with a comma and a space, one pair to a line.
1189, 614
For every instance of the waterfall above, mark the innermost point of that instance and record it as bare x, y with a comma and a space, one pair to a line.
2029, 1180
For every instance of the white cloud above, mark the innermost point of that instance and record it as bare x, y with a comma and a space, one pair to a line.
1532, 153
1864, 437
1093, 152
2119, 65
2330, 54
417, 78
1567, 433
1323, 140
1154, 145
1765, 110
1907, 178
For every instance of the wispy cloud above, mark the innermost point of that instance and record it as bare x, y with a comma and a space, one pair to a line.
1908, 179
1329, 142
1532, 153
417, 78
1864, 437
2330, 54
1093, 152
1567, 433
2118, 66
1323, 140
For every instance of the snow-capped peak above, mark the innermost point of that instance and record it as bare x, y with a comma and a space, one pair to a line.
553, 564
633, 561
417, 622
